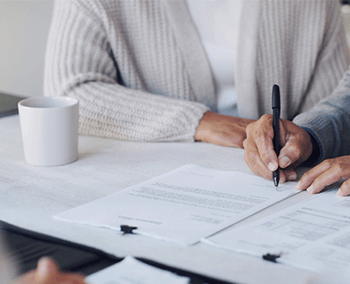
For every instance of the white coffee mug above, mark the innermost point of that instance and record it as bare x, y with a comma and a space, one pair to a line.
49, 128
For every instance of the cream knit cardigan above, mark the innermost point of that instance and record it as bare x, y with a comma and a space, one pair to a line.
140, 72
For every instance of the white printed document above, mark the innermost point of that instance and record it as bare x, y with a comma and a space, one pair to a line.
313, 235
183, 205
132, 271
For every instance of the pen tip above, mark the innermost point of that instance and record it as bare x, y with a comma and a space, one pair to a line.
276, 187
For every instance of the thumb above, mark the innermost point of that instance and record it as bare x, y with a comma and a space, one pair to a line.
46, 271
294, 152
297, 146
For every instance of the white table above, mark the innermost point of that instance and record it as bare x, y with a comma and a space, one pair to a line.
30, 196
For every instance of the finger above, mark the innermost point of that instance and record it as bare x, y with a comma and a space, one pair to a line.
328, 177
308, 178
49, 273
252, 159
283, 177
291, 153
344, 190
290, 174
46, 270
262, 134
267, 152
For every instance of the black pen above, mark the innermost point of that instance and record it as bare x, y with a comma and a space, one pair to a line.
276, 106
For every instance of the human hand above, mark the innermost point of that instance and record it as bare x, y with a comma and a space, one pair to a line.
47, 272
222, 129
296, 147
326, 173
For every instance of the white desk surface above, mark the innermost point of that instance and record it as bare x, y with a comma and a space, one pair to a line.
30, 196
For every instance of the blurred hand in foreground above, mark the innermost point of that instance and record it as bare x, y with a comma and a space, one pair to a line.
47, 272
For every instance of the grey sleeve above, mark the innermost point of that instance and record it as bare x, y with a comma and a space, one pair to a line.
328, 122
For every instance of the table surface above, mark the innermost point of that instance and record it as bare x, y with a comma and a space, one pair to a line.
30, 196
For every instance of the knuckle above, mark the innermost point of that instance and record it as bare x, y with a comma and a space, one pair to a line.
266, 117
249, 158
306, 176
252, 128
328, 163
316, 183
345, 160
294, 150
320, 183
339, 167
260, 140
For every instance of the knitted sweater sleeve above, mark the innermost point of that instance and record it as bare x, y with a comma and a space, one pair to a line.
80, 64
329, 122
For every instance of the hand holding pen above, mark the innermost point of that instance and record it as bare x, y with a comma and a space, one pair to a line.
260, 155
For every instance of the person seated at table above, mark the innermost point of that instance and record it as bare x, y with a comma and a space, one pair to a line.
171, 70
47, 272
321, 133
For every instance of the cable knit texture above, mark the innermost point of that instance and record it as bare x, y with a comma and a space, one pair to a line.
139, 70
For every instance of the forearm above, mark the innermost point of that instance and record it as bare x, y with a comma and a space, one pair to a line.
111, 110
108, 109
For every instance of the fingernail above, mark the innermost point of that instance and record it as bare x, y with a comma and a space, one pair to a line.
272, 166
284, 162
339, 193
309, 189
292, 177
297, 186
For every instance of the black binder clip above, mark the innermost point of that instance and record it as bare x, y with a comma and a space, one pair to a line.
271, 257
127, 229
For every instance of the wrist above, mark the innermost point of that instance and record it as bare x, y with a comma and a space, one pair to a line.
316, 154
202, 126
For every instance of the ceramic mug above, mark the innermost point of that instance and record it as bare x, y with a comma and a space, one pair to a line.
49, 127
